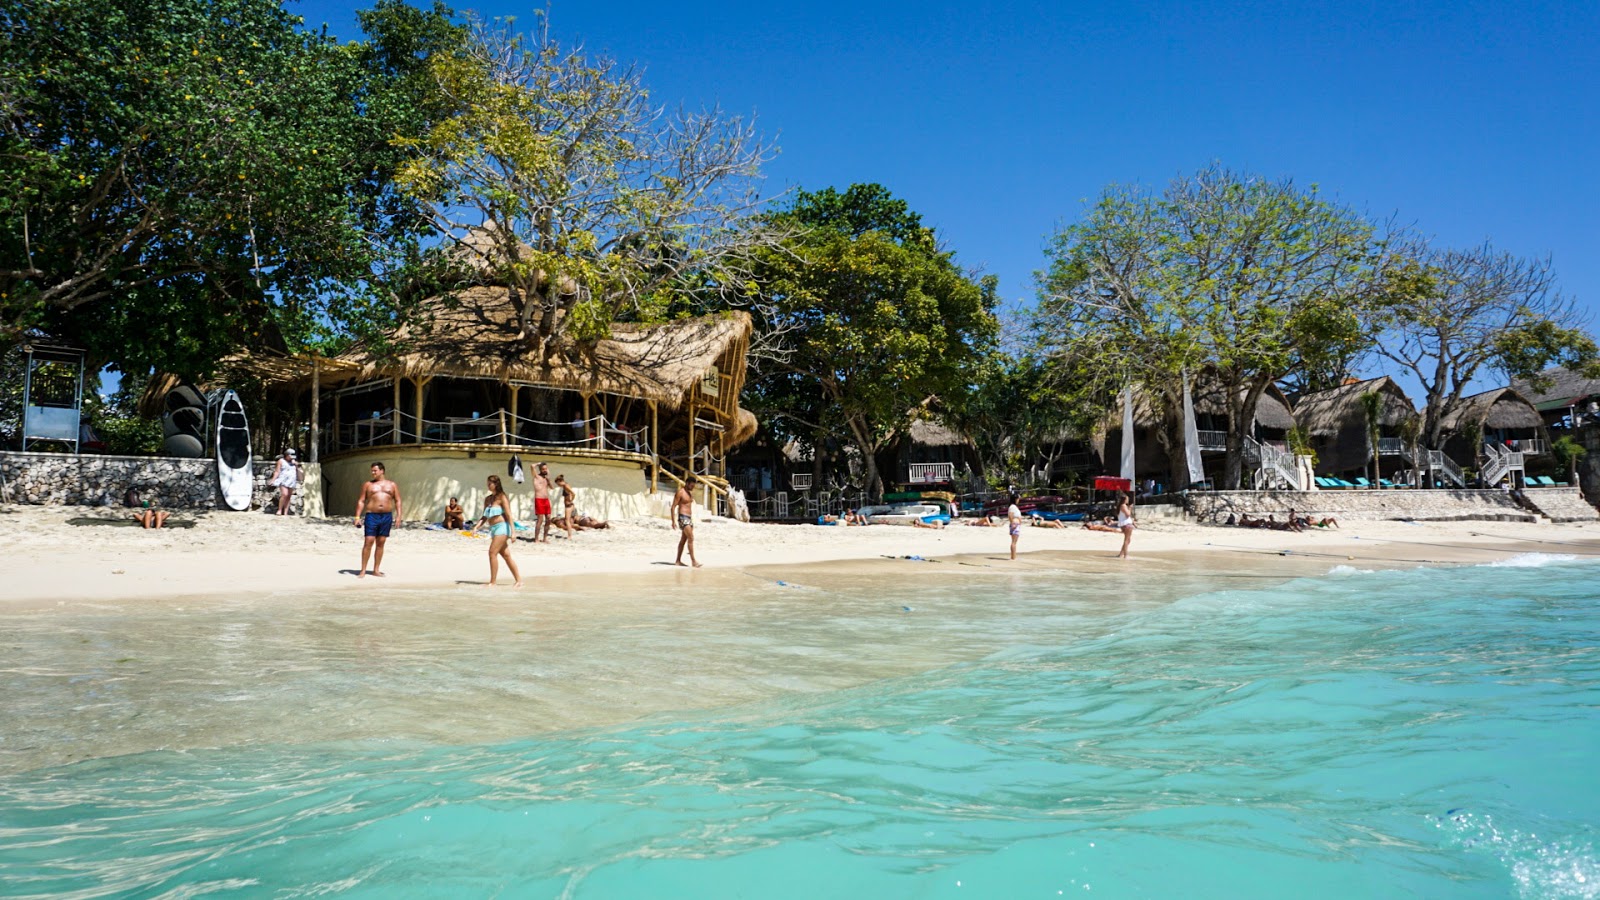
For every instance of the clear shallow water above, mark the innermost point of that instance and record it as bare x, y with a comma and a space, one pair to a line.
1423, 733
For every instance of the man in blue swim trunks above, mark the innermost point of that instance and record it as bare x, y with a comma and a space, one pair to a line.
377, 511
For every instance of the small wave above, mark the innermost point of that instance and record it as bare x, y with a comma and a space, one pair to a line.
1560, 868
1530, 560
1342, 569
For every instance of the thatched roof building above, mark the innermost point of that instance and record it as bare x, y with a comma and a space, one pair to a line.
1562, 396
1337, 424
1499, 416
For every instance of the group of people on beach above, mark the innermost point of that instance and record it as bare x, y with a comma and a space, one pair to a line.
379, 507
1295, 522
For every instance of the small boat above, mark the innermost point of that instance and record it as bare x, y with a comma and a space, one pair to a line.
234, 476
904, 514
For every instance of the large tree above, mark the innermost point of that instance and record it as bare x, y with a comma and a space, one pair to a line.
179, 178
874, 321
561, 178
1453, 314
1245, 278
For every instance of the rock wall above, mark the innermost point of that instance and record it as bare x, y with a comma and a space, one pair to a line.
1561, 504
62, 479
1447, 505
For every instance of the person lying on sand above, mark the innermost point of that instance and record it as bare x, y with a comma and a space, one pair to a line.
583, 522
982, 522
1042, 522
1104, 524
151, 518
935, 524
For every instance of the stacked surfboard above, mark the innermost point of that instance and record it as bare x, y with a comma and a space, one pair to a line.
234, 476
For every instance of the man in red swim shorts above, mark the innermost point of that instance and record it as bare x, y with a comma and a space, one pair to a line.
541, 503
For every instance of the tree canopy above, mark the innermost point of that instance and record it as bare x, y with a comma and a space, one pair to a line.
182, 178
557, 176
1244, 278
873, 321
1457, 313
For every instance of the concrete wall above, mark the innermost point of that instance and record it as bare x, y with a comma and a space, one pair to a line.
428, 477
95, 480
1444, 505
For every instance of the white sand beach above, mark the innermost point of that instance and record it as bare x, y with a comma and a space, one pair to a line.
45, 561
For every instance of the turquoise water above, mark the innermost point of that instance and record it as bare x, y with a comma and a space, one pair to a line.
1423, 733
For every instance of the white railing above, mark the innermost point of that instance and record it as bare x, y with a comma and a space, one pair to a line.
1213, 440
1529, 446
1499, 463
931, 473
499, 428
1393, 446
1276, 468
800, 481
1439, 462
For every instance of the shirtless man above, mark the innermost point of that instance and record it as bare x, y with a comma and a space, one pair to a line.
541, 504
377, 511
683, 516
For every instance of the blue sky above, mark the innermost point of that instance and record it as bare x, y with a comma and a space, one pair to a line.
997, 121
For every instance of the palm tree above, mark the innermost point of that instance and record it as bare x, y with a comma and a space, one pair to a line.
1567, 451
1372, 406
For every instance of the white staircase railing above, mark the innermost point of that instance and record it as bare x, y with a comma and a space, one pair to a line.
1275, 468
931, 473
1438, 462
1499, 463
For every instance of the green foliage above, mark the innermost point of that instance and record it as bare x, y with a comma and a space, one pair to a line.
1300, 444
1242, 278
186, 177
1017, 413
553, 174
1567, 451
1448, 314
870, 322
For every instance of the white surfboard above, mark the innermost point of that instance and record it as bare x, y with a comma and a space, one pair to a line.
234, 475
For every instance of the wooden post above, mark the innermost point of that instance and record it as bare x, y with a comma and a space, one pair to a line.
585, 410
502, 412
690, 460
335, 421
394, 413
516, 390
655, 449
316, 406
421, 381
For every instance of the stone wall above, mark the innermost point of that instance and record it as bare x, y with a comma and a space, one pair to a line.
1561, 504
1447, 505
62, 479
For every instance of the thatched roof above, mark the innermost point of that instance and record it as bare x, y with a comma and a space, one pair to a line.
1272, 410
928, 433
473, 334
1325, 412
1567, 388
1499, 408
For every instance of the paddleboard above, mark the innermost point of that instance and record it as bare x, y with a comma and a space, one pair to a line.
233, 454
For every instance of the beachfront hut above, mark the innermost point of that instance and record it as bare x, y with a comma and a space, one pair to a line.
1274, 417
1503, 417
622, 416
933, 453
1337, 424
1565, 400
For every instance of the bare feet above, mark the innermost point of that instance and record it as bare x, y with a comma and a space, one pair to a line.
377, 574
697, 565
679, 563
517, 585
362, 573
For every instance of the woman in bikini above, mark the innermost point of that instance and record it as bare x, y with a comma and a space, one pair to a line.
1125, 522
497, 515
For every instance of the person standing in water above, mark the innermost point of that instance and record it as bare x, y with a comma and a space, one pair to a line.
497, 515
1125, 522
541, 504
1014, 523
377, 511
683, 516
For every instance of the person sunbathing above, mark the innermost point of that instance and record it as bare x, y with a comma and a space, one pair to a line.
982, 522
583, 522
1105, 524
151, 518
455, 518
1042, 522
935, 524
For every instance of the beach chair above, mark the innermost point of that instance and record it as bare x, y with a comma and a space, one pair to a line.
1344, 484
1362, 482
1544, 481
